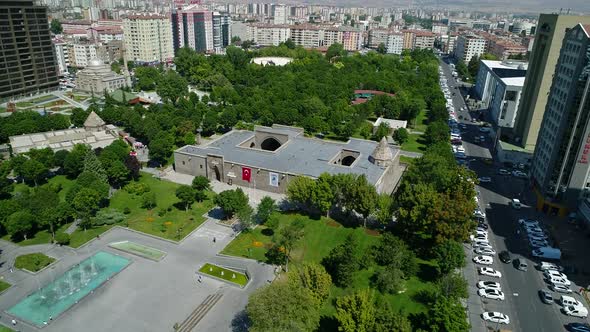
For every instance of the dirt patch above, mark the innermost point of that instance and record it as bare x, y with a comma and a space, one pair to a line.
372, 232
334, 224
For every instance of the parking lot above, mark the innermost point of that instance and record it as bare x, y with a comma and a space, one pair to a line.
522, 303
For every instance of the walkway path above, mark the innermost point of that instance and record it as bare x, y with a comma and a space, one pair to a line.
61, 95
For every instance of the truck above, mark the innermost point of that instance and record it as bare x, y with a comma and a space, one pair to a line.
548, 253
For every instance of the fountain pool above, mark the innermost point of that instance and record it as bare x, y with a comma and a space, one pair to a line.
69, 288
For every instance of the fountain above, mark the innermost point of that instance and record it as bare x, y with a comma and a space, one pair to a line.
69, 288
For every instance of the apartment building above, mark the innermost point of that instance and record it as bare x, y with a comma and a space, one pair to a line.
408, 39
542, 61
350, 38
83, 52
62, 56
281, 14
449, 43
28, 58
200, 29
503, 49
395, 43
148, 38
440, 29
307, 35
561, 163
424, 40
221, 31
468, 46
377, 37
268, 34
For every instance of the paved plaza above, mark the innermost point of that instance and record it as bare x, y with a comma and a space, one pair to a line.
147, 295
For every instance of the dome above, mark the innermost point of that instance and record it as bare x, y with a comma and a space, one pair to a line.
382, 152
95, 63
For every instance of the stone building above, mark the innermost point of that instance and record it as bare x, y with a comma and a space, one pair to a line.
98, 77
268, 158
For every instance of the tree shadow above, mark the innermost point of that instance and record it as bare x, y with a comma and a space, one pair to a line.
427, 272
240, 322
267, 232
328, 324
425, 296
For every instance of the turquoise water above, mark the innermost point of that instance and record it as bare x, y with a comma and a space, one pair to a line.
69, 288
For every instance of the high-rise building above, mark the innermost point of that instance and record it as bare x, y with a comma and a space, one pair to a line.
468, 46
200, 29
27, 55
395, 43
221, 31
542, 61
561, 162
267, 34
62, 56
280, 14
148, 38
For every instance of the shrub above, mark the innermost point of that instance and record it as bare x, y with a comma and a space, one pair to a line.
137, 188
162, 212
126, 210
62, 239
148, 200
108, 217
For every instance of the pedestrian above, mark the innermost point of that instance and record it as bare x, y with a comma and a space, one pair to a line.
214, 240
11, 269
50, 318
13, 322
200, 279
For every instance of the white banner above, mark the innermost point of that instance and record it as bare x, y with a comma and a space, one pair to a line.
273, 179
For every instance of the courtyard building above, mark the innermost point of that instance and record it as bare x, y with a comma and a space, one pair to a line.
561, 162
269, 158
98, 77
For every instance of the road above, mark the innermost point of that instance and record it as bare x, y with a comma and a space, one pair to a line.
522, 303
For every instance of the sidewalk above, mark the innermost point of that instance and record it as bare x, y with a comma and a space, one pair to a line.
473, 304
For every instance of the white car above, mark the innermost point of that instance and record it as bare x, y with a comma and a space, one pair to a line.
576, 311
533, 237
554, 273
559, 281
495, 317
533, 229
550, 266
484, 251
519, 174
481, 232
489, 285
479, 238
460, 148
488, 271
561, 289
494, 294
482, 245
479, 214
485, 179
484, 260
502, 171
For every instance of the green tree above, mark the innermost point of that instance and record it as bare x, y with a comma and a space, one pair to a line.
34, 171
19, 224
452, 285
300, 190
186, 195
44, 156
392, 251
94, 166
266, 207
473, 66
335, 50
342, 262
60, 157
315, 278
146, 78
389, 279
356, 312
245, 215
401, 135
288, 236
74, 161
78, 117
108, 217
161, 148
386, 320
446, 315
382, 131
56, 27
363, 198
449, 256
201, 183
322, 195
384, 210
283, 306
117, 173
172, 86
381, 49
148, 200
85, 203
437, 132
231, 201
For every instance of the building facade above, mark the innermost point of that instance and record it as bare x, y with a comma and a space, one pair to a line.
542, 61
62, 55
268, 34
468, 46
561, 162
395, 43
28, 57
98, 77
148, 39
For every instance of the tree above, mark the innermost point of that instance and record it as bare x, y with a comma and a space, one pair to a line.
401, 135
146, 78
201, 183
288, 236
381, 49
6, 188
172, 86
335, 50
283, 306
94, 166
186, 195
300, 191
34, 171
449, 256
392, 251
384, 210
86, 201
315, 278
356, 312
231, 201
19, 224
108, 217
446, 315
362, 198
386, 320
117, 173
265, 208
289, 43
389, 280
473, 66
56, 27
148, 200
74, 161
453, 286
60, 157
133, 165
342, 262
160, 148
382, 131
245, 216
44, 156
436, 132
322, 195
79, 116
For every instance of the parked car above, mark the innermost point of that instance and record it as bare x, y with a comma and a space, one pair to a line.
558, 281
519, 174
485, 179
479, 214
528, 222
505, 257
538, 244
561, 288
578, 327
502, 171
515, 203
489, 285
493, 294
484, 251
546, 296
495, 317
482, 246
484, 260
552, 273
576, 311
488, 271
520, 264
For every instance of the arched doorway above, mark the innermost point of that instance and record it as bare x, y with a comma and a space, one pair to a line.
217, 173
270, 144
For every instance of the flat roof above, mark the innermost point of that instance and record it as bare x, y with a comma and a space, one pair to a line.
513, 81
510, 147
299, 155
509, 64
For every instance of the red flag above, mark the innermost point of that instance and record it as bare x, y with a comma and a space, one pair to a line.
246, 174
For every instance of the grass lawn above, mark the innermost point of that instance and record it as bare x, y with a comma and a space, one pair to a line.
5, 329
3, 286
62, 180
2, 110
406, 160
41, 237
80, 236
33, 262
415, 143
216, 271
24, 104
419, 124
139, 250
42, 99
174, 224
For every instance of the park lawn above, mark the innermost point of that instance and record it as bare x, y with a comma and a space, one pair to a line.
24, 104
414, 144
41, 237
175, 224
42, 99
5, 329
406, 160
252, 244
216, 271
33, 262
81, 236
420, 123
65, 183
2, 110
3, 286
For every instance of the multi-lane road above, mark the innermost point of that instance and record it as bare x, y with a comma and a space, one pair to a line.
522, 303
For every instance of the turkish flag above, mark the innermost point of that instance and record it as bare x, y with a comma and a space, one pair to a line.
246, 174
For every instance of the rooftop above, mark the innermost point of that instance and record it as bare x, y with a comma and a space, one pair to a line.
299, 155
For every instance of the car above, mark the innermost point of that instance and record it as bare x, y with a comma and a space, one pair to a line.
550, 266
536, 232
505, 257
460, 148
502, 171
483, 225
578, 327
484, 260
484, 129
546, 296
479, 214
489, 285
495, 317
480, 242
479, 238
482, 246
515, 203
519, 174
481, 232
559, 281
533, 229
481, 229
473, 120
484, 251
561, 288
553, 273
576, 311
533, 237
538, 244
485, 179
482, 138
493, 294
488, 271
